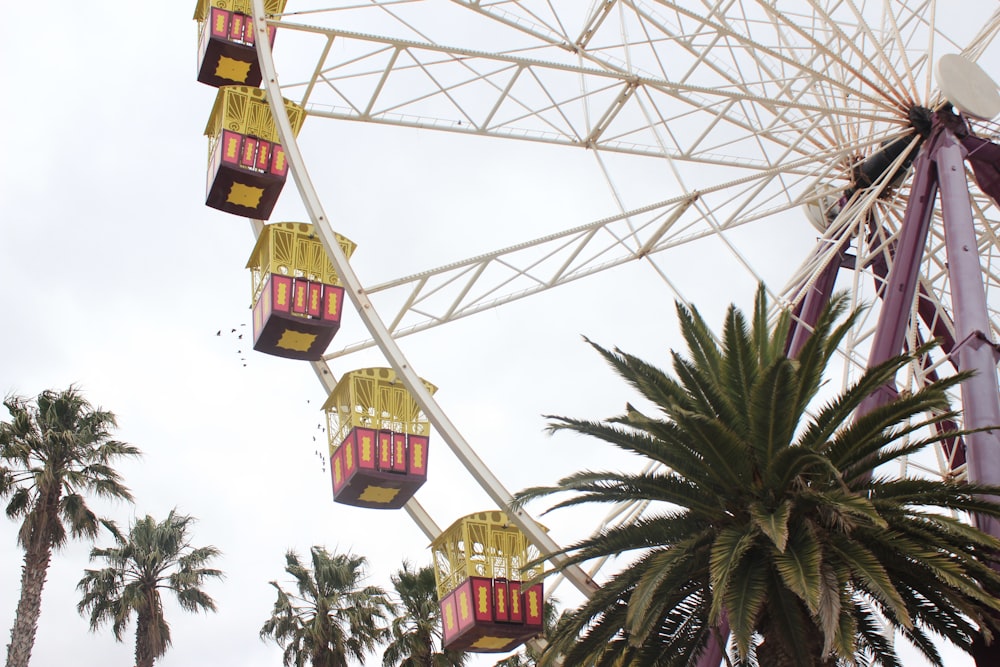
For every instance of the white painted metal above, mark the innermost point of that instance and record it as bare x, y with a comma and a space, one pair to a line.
966, 85
754, 108
813, 86
394, 355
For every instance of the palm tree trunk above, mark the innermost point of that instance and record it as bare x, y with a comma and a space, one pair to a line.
771, 653
143, 651
22, 635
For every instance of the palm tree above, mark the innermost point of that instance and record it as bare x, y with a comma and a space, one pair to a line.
331, 616
154, 556
777, 519
54, 450
416, 632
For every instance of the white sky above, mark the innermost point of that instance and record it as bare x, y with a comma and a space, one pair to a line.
117, 278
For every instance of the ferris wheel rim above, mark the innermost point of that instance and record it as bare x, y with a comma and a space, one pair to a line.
393, 353
386, 336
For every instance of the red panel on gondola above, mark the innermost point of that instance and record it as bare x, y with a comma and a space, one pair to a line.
261, 310
514, 598
485, 616
219, 22
315, 306
449, 618
366, 448
533, 605
236, 27
301, 297
366, 484
463, 604
231, 146
226, 54
279, 164
501, 606
384, 450
263, 155
337, 469
248, 153
399, 452
417, 454
258, 317
333, 298
248, 32
350, 452
482, 599
281, 290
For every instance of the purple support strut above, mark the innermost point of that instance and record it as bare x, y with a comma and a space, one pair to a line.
975, 349
940, 164
897, 298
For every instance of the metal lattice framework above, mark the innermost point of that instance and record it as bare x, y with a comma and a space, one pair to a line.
749, 111
784, 104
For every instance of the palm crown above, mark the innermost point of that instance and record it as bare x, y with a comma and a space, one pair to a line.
154, 556
56, 450
771, 517
331, 617
416, 631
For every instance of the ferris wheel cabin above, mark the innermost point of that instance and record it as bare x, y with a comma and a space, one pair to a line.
488, 604
297, 296
226, 52
247, 168
379, 440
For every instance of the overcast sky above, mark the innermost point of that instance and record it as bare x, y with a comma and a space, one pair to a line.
117, 278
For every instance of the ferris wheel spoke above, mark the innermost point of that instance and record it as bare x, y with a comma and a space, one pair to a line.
766, 115
886, 77
495, 95
977, 45
413, 383
435, 297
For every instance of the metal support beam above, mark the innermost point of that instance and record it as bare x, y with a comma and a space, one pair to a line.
899, 291
975, 349
393, 353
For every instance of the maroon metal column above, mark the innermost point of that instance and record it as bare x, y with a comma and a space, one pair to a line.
974, 348
812, 305
897, 299
939, 165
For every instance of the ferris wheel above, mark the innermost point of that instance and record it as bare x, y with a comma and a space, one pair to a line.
815, 145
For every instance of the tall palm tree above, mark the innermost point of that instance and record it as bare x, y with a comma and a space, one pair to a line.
55, 450
154, 556
416, 631
776, 518
331, 616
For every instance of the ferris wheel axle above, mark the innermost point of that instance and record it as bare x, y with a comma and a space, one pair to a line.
878, 165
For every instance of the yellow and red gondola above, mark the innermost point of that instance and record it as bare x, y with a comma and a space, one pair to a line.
297, 295
226, 52
247, 167
491, 599
379, 439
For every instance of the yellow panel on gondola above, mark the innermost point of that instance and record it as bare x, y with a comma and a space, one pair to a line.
489, 599
247, 166
379, 439
297, 297
226, 52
